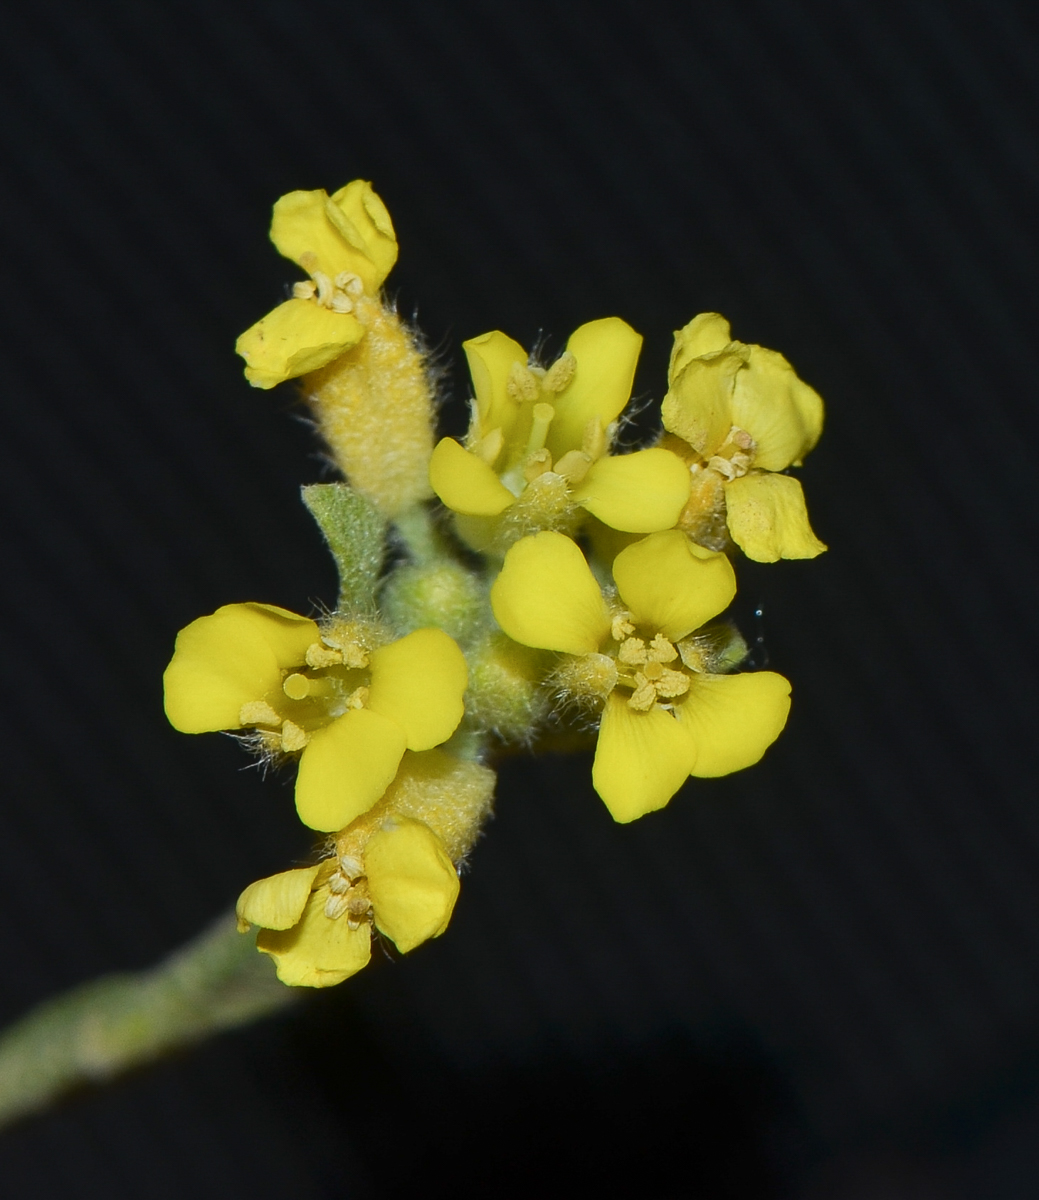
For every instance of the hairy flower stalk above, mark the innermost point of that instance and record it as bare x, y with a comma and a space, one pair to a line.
559, 585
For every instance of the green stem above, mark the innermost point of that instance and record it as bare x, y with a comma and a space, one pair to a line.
102, 1028
418, 531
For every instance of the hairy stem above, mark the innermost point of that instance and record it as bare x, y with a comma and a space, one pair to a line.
109, 1025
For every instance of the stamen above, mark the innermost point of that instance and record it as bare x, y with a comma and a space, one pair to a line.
489, 447
671, 683
632, 652
537, 464
324, 287
661, 650
339, 884
621, 627
335, 906
304, 290
350, 283
258, 712
341, 302
560, 373
594, 439
319, 656
358, 698
351, 867
293, 737
644, 696
573, 466
522, 384
354, 656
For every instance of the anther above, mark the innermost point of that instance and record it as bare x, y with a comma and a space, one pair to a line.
350, 283
258, 712
293, 737
358, 698
319, 656
304, 290
573, 466
351, 867
661, 650
632, 652
621, 627
341, 302
335, 906
560, 373
522, 384
537, 464
324, 287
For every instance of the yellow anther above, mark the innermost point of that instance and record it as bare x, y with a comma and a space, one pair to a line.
537, 464
644, 696
621, 627
292, 737
594, 439
341, 302
296, 687
489, 446
354, 656
358, 698
560, 373
573, 466
661, 650
324, 288
258, 712
350, 283
632, 652
319, 656
335, 906
339, 884
304, 290
671, 683
522, 384
351, 867
742, 439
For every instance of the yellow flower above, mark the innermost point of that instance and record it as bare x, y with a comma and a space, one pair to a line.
316, 922
347, 246
538, 441
665, 715
739, 414
347, 699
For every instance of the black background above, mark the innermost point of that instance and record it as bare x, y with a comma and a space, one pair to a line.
818, 978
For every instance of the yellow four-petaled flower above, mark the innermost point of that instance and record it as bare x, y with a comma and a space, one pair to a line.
349, 701
665, 717
540, 438
739, 415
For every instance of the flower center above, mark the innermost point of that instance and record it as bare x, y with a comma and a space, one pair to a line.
332, 680
537, 390
348, 893
735, 455
336, 294
650, 679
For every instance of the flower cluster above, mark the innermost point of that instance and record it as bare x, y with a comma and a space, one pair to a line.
566, 580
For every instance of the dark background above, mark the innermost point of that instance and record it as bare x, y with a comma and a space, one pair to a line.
819, 978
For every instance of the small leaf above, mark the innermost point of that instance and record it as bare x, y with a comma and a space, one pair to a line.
356, 535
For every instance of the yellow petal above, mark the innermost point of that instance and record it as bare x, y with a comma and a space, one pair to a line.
782, 414
466, 483
698, 405
731, 720
641, 759
294, 338
491, 357
229, 658
346, 767
318, 952
350, 231
276, 902
636, 493
670, 586
607, 352
412, 883
418, 682
362, 220
768, 519
546, 596
704, 334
